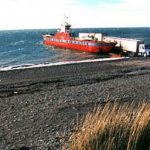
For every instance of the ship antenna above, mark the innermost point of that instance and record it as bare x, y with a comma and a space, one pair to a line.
65, 27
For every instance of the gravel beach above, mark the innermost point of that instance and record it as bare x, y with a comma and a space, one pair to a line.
40, 107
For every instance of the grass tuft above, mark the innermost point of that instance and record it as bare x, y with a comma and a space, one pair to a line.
115, 126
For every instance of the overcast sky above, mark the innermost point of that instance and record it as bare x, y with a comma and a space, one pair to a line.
40, 14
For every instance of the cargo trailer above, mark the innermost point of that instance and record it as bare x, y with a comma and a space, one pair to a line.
130, 46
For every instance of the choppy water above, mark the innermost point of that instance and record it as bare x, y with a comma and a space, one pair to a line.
24, 47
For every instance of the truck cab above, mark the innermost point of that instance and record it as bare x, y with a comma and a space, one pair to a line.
144, 50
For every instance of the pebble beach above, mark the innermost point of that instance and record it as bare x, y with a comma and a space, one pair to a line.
40, 107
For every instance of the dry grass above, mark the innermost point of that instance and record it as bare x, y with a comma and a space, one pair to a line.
115, 126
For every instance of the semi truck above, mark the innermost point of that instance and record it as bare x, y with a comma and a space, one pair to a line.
131, 46
144, 50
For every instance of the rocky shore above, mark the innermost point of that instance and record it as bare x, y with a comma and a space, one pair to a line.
40, 107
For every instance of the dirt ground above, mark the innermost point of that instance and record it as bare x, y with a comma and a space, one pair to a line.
40, 107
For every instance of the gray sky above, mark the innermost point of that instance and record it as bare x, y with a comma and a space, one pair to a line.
39, 14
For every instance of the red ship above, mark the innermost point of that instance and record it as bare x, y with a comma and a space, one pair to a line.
88, 42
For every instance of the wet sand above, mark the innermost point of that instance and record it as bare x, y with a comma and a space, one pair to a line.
40, 107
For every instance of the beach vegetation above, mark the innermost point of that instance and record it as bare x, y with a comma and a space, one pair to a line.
114, 126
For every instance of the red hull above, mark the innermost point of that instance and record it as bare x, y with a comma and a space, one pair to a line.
86, 46
73, 46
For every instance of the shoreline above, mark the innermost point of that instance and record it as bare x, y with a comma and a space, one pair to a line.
39, 106
43, 72
29, 66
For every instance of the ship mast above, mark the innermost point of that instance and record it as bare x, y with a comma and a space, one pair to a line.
65, 27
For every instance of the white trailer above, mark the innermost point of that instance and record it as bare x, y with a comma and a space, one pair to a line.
132, 46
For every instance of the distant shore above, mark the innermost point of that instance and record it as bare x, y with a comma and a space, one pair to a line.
40, 106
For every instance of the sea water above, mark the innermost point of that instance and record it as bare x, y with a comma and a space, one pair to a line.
25, 47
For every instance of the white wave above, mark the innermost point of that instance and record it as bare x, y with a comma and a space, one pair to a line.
18, 42
47, 64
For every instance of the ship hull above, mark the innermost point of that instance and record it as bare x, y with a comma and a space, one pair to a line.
86, 46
